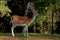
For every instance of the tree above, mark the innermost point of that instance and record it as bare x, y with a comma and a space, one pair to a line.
4, 14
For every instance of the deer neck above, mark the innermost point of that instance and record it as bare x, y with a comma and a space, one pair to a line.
33, 18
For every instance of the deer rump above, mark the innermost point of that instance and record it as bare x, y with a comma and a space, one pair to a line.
21, 19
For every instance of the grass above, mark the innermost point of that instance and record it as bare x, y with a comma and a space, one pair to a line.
31, 35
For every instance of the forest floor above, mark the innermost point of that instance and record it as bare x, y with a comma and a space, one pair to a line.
31, 37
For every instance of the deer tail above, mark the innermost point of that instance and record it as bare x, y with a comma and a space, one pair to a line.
11, 20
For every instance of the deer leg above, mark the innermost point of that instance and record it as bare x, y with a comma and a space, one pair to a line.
25, 30
12, 30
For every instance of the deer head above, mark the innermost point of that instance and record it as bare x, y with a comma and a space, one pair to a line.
31, 6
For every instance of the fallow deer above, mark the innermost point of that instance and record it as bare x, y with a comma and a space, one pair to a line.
23, 20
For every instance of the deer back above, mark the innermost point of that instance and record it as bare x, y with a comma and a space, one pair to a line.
21, 19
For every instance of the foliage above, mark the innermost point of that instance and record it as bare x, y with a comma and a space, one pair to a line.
45, 9
4, 15
4, 10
